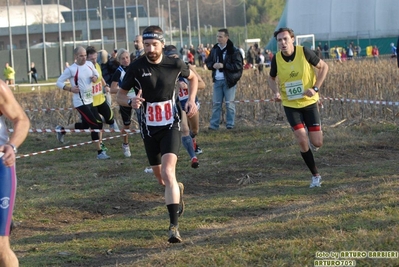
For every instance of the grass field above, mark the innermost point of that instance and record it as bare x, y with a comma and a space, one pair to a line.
249, 203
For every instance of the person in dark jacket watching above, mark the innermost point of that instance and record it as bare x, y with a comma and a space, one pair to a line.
108, 65
226, 63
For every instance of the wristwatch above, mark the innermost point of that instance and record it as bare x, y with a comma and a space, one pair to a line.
316, 89
13, 148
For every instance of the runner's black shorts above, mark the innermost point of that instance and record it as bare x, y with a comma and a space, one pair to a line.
167, 140
308, 117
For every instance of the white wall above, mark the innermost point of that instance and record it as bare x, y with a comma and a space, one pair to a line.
336, 19
33, 16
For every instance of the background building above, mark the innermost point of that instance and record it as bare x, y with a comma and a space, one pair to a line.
47, 34
363, 22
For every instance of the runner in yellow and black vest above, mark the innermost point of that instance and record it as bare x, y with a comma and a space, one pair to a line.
299, 86
99, 99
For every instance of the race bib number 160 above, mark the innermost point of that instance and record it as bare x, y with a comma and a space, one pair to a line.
159, 113
294, 90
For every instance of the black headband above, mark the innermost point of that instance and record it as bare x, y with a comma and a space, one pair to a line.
153, 35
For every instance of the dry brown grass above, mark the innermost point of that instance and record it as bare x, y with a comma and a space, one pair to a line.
353, 80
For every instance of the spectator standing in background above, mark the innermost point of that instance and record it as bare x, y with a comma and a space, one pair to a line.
33, 72
326, 51
393, 50
319, 52
267, 58
112, 59
261, 62
320, 48
200, 55
103, 59
254, 53
183, 53
249, 58
350, 52
343, 55
337, 54
113, 64
190, 58
376, 53
9, 74
193, 52
358, 51
138, 46
226, 63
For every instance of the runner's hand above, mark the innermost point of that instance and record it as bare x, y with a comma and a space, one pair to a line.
137, 101
190, 108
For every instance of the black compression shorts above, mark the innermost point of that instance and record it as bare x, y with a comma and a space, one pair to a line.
167, 140
300, 117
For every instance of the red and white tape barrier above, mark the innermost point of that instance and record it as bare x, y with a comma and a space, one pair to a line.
372, 102
77, 131
365, 101
47, 109
67, 147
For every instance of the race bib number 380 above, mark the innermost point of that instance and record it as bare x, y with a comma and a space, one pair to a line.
294, 90
159, 113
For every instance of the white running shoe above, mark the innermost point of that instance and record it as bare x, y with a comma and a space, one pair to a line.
148, 170
174, 235
198, 150
126, 150
316, 181
103, 155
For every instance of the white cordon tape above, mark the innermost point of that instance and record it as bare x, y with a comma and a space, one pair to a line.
375, 102
34, 84
47, 109
67, 147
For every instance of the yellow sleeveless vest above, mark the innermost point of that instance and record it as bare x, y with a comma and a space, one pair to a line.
295, 78
98, 95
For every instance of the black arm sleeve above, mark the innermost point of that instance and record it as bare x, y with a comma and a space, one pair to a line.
273, 67
311, 56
